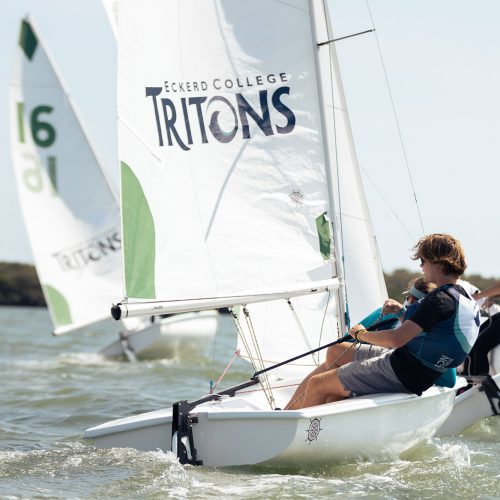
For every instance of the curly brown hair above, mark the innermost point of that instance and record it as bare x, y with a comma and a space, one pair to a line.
444, 249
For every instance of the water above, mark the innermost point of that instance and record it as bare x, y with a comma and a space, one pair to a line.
54, 388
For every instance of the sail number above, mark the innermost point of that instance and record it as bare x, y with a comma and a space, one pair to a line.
44, 135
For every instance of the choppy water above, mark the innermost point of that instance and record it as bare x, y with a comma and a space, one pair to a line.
54, 388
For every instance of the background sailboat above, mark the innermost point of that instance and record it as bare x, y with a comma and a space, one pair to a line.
234, 142
71, 210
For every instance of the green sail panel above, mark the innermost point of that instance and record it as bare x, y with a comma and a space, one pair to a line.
27, 40
138, 238
325, 236
58, 306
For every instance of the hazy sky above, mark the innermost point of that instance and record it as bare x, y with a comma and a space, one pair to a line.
442, 59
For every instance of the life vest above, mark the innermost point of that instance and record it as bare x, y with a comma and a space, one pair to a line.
449, 341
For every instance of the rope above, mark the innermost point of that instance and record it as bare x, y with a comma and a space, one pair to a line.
333, 363
264, 380
394, 212
323, 320
302, 332
301, 395
242, 336
396, 119
213, 386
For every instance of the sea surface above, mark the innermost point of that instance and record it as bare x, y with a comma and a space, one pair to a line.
53, 388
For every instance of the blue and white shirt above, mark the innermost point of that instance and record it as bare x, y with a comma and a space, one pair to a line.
449, 318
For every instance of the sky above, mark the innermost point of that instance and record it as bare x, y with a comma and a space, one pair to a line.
442, 63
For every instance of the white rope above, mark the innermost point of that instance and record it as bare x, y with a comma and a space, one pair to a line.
263, 379
396, 119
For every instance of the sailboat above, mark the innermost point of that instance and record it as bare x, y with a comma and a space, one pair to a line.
482, 397
480, 401
71, 212
234, 136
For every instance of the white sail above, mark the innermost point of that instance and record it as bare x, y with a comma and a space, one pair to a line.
362, 268
232, 182
71, 215
315, 321
224, 171
111, 8
212, 130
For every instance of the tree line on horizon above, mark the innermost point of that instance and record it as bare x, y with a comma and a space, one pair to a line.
19, 284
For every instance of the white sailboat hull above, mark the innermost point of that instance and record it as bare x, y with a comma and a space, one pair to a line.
473, 404
470, 407
167, 337
237, 431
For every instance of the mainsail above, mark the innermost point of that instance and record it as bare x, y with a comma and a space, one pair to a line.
71, 214
213, 126
314, 319
230, 172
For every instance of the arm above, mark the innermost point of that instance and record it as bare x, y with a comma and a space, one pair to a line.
392, 306
390, 339
489, 292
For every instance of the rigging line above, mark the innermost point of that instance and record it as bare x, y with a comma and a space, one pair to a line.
266, 386
379, 191
213, 356
344, 37
269, 361
323, 320
396, 119
333, 364
301, 329
223, 374
242, 336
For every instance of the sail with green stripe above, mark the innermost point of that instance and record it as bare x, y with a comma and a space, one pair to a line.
70, 211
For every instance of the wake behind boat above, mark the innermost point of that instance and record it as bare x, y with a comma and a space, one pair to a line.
72, 215
240, 188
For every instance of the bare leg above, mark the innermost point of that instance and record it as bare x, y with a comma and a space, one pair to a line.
299, 392
339, 355
336, 355
322, 387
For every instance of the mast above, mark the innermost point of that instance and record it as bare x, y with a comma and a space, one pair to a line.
319, 28
356, 245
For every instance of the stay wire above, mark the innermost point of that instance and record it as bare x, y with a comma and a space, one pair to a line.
339, 259
396, 118
394, 212
323, 320
266, 385
301, 329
